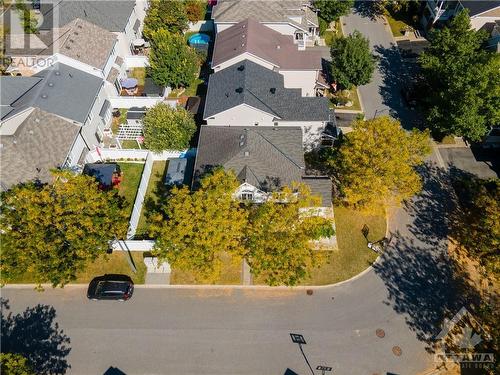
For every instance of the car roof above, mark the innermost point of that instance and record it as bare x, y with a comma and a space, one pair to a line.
107, 286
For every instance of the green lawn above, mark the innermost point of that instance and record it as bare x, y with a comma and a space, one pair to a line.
398, 22
139, 74
187, 91
230, 274
353, 256
356, 105
155, 190
130, 144
132, 173
109, 264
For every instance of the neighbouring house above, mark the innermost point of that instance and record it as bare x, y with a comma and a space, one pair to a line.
480, 12
79, 43
264, 160
64, 91
288, 17
247, 94
253, 41
493, 30
41, 141
122, 17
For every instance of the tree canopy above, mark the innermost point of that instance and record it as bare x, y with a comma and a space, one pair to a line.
375, 163
165, 14
200, 227
332, 10
463, 79
197, 229
172, 62
53, 230
279, 235
168, 128
14, 364
352, 62
195, 9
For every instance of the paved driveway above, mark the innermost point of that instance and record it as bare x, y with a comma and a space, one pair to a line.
382, 95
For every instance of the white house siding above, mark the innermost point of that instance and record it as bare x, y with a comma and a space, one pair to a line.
242, 57
478, 22
282, 28
241, 115
300, 79
258, 196
311, 130
94, 125
222, 26
76, 151
9, 126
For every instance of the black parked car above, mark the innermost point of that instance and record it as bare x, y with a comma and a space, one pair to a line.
111, 287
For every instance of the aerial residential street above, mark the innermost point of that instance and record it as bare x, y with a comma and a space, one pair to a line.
246, 331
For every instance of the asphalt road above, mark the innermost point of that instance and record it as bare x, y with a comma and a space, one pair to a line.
246, 331
382, 96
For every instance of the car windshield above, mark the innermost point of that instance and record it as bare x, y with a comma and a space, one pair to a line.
111, 287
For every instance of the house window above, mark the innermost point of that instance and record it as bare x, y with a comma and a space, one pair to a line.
311, 30
299, 36
247, 196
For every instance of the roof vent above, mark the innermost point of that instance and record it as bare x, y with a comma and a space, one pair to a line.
273, 90
247, 153
57, 73
37, 120
243, 36
278, 47
241, 68
243, 44
239, 90
51, 84
31, 132
242, 144
44, 96
242, 136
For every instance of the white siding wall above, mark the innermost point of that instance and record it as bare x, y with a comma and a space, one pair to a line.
311, 130
91, 126
241, 115
222, 26
242, 57
300, 79
282, 28
76, 151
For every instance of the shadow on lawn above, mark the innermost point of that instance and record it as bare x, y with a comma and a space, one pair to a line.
36, 336
423, 282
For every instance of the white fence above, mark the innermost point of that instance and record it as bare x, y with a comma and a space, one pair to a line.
143, 186
136, 62
141, 101
113, 154
133, 245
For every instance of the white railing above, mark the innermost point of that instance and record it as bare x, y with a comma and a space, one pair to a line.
136, 61
133, 245
141, 101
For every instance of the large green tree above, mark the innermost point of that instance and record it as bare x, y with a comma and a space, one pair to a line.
278, 243
375, 164
195, 9
168, 128
352, 61
202, 227
165, 14
332, 10
172, 62
14, 364
52, 231
463, 98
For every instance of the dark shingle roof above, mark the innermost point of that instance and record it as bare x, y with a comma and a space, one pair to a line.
251, 84
268, 158
60, 89
40, 143
255, 38
476, 7
112, 15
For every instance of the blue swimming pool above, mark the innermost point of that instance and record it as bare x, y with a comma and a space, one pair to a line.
198, 39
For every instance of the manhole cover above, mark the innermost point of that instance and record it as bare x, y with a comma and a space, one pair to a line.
309, 292
380, 333
397, 351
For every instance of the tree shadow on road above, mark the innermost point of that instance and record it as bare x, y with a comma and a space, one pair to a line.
423, 282
396, 79
368, 9
36, 336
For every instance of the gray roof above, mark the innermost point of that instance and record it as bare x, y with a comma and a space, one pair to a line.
476, 7
268, 158
86, 42
12, 88
233, 11
60, 89
265, 157
255, 38
249, 83
42, 142
113, 15
321, 187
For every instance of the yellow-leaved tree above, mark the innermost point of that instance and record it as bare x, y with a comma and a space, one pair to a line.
375, 164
